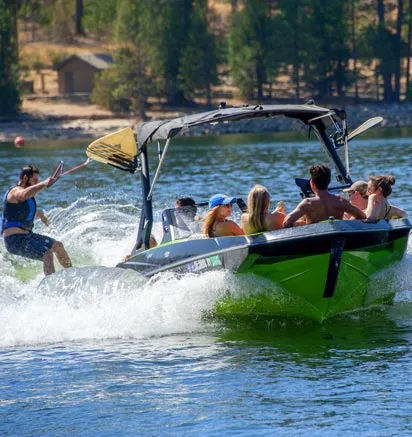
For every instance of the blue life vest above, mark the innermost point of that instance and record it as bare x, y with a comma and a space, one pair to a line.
18, 215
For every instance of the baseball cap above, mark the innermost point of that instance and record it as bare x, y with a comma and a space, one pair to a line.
220, 199
360, 186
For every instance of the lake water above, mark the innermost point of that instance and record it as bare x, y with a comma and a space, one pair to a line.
95, 350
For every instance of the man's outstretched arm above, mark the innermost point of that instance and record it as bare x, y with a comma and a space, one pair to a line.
20, 194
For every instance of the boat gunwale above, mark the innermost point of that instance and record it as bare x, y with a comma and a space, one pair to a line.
249, 242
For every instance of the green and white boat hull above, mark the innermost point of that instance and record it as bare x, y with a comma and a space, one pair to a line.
317, 271
301, 281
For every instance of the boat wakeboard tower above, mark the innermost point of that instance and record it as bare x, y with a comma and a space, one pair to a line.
121, 151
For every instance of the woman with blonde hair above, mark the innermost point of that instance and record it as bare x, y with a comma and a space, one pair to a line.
379, 189
258, 218
215, 223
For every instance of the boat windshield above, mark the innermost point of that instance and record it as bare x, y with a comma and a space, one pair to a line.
180, 223
187, 221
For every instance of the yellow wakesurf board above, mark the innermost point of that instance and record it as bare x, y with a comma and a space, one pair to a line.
118, 149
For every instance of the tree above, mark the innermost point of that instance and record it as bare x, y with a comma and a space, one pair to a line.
249, 47
167, 43
327, 71
384, 43
171, 27
100, 17
9, 59
127, 85
62, 25
198, 65
293, 37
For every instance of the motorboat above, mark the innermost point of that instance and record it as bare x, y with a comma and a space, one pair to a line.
318, 271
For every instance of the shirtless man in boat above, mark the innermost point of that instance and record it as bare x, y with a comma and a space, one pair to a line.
324, 205
19, 210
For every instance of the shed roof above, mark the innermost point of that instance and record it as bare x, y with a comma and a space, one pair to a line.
100, 61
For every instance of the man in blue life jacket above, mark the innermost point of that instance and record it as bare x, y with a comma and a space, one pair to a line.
19, 210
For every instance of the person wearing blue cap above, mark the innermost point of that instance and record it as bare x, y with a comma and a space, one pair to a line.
215, 222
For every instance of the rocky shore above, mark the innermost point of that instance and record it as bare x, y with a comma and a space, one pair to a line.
71, 127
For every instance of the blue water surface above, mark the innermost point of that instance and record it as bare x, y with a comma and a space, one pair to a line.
95, 350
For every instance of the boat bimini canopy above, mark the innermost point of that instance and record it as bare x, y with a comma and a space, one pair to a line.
307, 113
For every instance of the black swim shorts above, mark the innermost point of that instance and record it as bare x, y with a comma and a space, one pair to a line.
31, 245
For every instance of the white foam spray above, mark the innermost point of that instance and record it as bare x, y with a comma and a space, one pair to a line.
102, 303
105, 302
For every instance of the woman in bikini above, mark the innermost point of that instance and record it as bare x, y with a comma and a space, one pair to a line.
215, 222
258, 218
379, 189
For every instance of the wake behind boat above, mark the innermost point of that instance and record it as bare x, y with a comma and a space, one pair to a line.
321, 269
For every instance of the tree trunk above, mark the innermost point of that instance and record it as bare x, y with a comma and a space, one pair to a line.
296, 72
142, 112
79, 16
296, 64
323, 86
397, 51
408, 59
385, 68
260, 75
208, 94
377, 87
43, 85
355, 52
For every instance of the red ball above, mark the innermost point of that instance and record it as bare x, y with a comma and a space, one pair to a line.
19, 141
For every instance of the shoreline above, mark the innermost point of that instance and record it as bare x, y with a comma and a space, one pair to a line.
37, 128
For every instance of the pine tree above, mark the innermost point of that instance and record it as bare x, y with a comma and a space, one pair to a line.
198, 64
327, 72
127, 85
293, 38
9, 59
100, 17
250, 47
171, 28
383, 42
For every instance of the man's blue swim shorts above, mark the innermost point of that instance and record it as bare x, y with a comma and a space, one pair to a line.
31, 245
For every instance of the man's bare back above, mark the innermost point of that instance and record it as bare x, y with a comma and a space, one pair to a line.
324, 204
321, 208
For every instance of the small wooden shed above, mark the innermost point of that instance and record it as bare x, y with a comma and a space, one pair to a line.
76, 73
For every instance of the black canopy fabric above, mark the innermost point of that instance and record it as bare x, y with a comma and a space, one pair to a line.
163, 129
